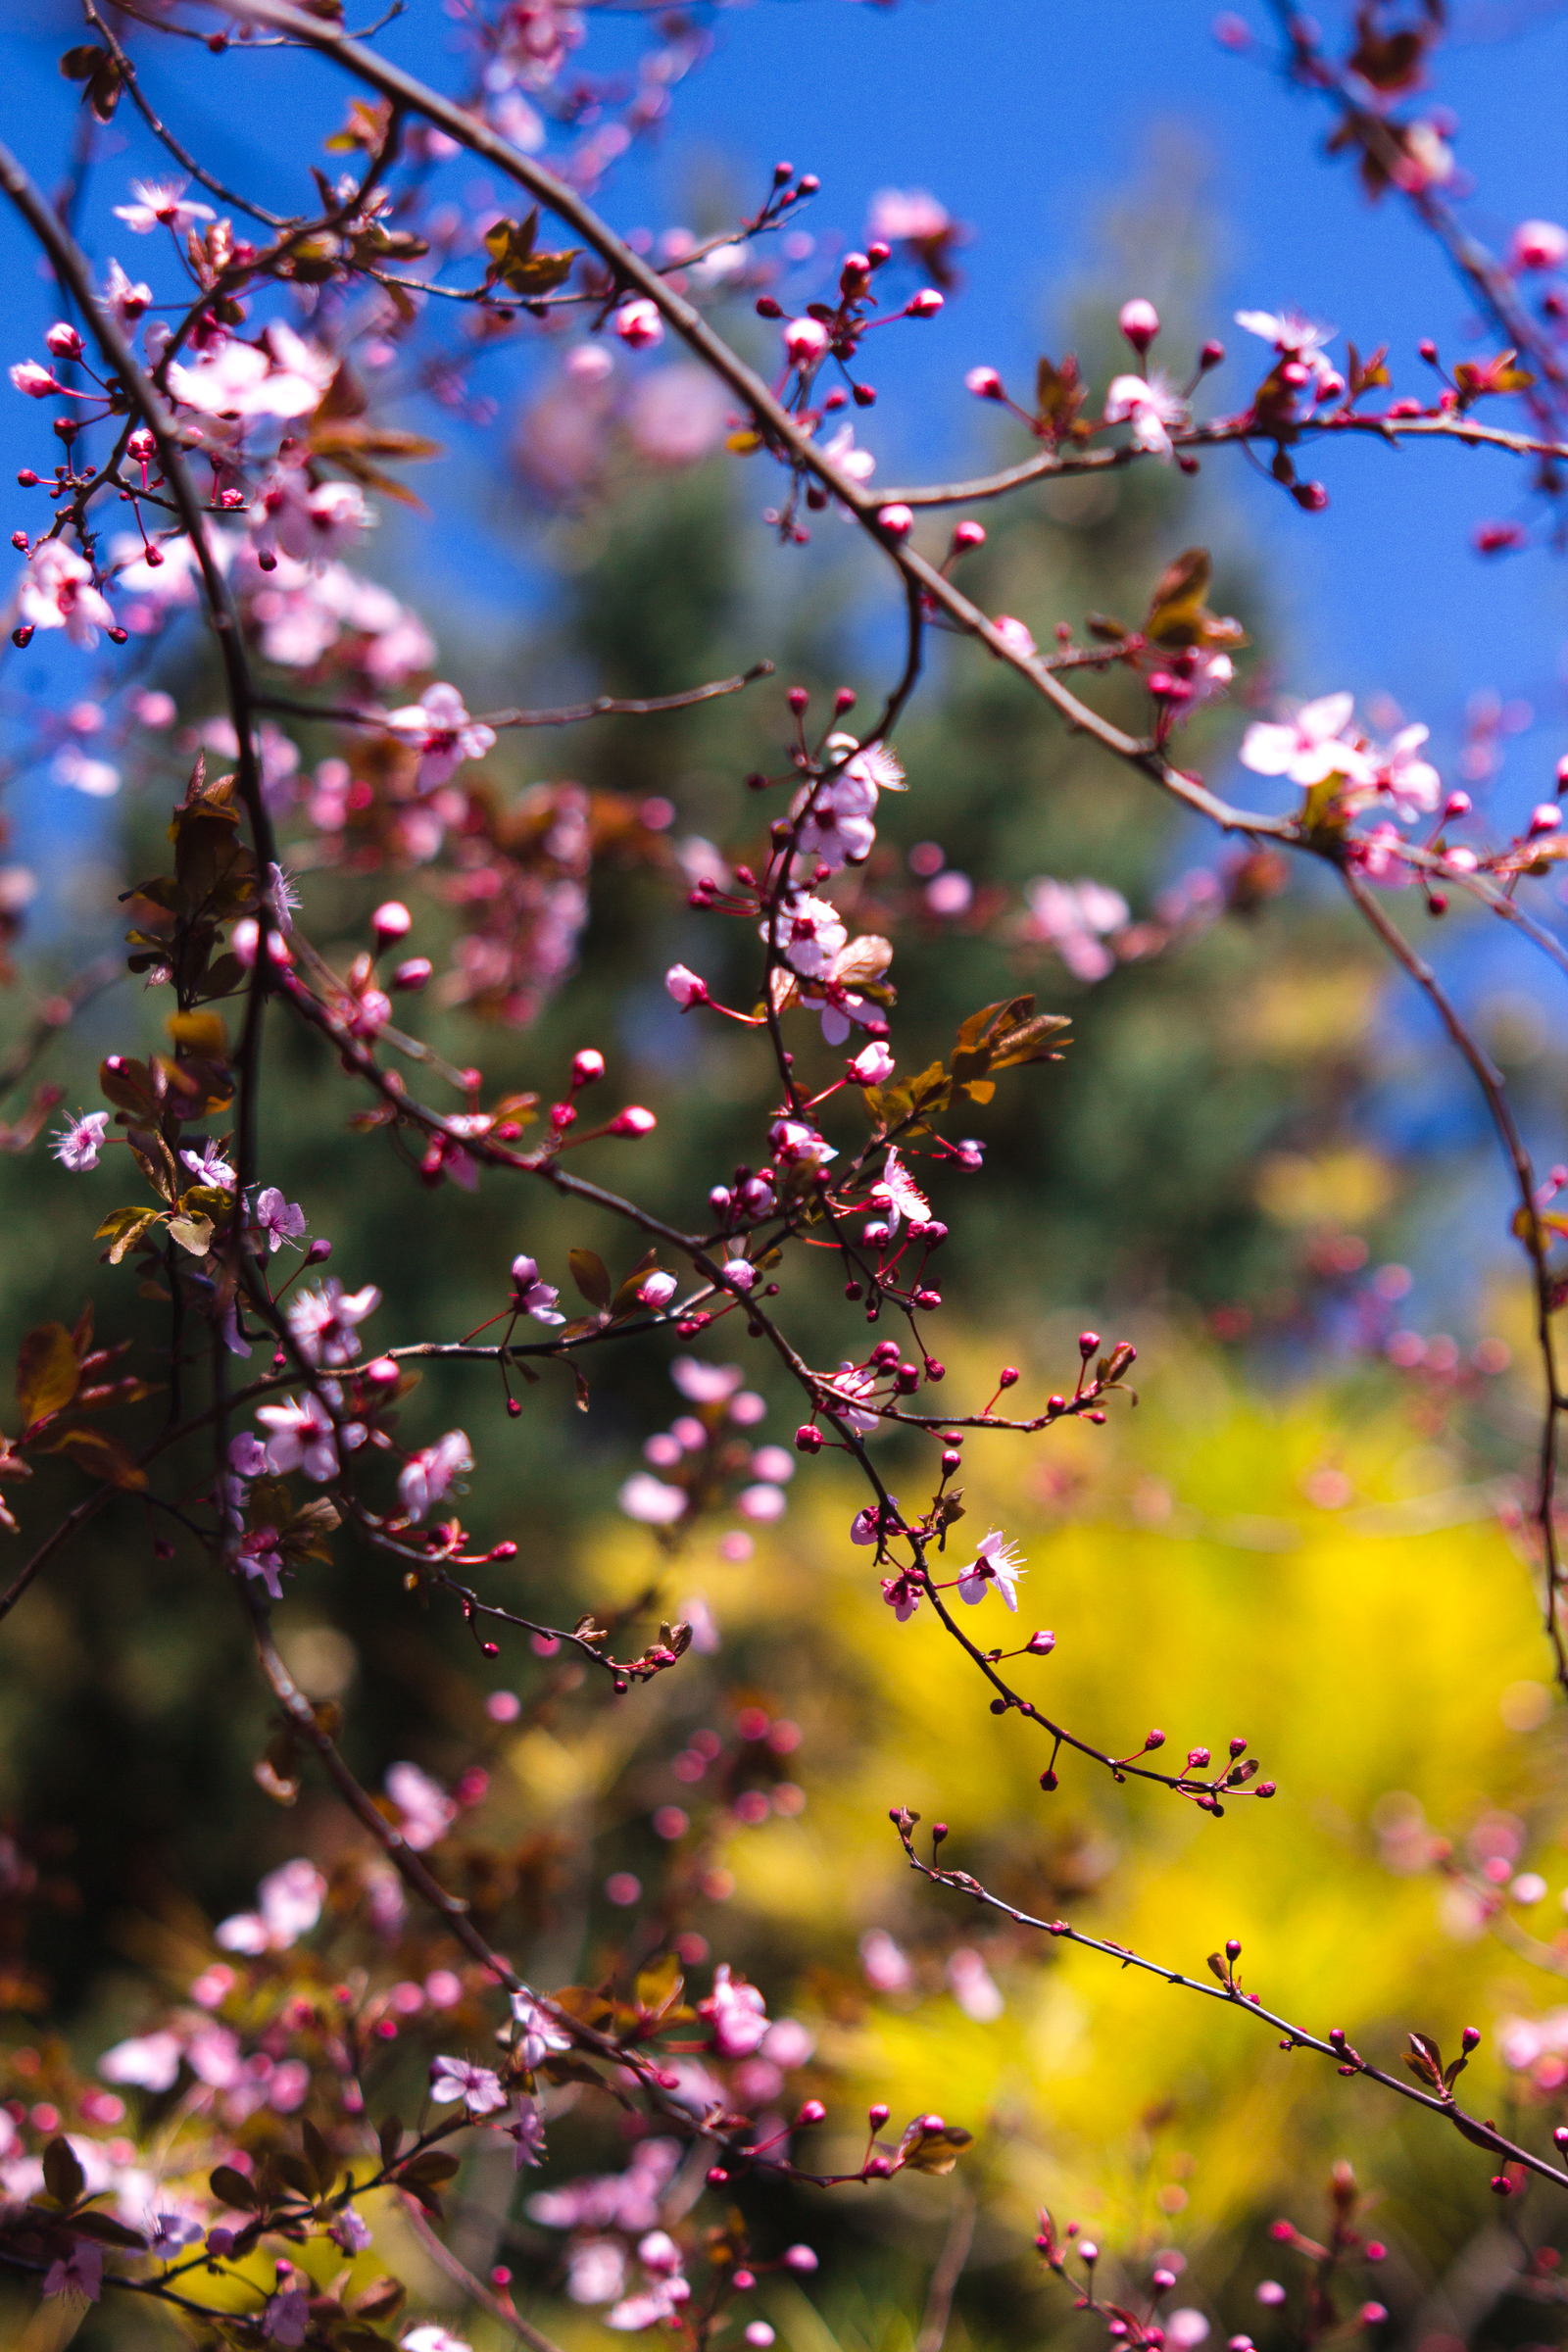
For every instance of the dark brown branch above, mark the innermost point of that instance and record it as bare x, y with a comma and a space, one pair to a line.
603, 706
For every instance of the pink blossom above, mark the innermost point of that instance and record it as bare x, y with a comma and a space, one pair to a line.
1413, 785
873, 1066
686, 987
806, 341
124, 296
307, 520
72, 768
322, 1321
737, 2012
840, 450
286, 2317
1308, 748
704, 1384
997, 1563
885, 1966
1139, 321
1015, 637
301, 1438
906, 217
159, 203
77, 1144
58, 593
538, 2035
79, 2272
147, 2062
635, 1119
649, 1500
351, 2232
1539, 245
261, 1555
426, 1476
476, 2085
282, 376
426, 1810
33, 378
676, 414
639, 324
1291, 335
1075, 918
1151, 407
809, 932
762, 1503
658, 1291
443, 733
534, 1298
527, 2130
279, 1219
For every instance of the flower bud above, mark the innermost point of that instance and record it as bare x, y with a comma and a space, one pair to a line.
413, 973
1041, 1645
807, 1440
639, 324
798, 2258
798, 697
878, 2116
1139, 321
391, 921
967, 535
63, 341
1008, 1377
716, 2176
806, 341
898, 522
1211, 356
873, 1065
658, 1291
1470, 2039
587, 1066
633, 1120
879, 2167
1547, 818
812, 2112
1153, 1740
686, 987
924, 304
768, 307
1088, 1341
319, 1250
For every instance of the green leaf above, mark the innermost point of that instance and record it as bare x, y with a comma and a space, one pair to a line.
194, 1234
514, 260
592, 1277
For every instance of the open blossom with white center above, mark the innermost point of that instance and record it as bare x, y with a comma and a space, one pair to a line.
539, 2036
737, 2012
125, 296
310, 522
1293, 337
79, 2273
57, 592
1076, 918
210, 1167
846, 1390
282, 376
442, 732
322, 1321
535, 1297
1151, 407
810, 933
904, 1196
77, 1144
160, 204
651, 1502
1412, 784
998, 1563
799, 1145
426, 1476
1308, 748
301, 1438
477, 2086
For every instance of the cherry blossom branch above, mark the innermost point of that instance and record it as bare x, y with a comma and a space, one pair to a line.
1336, 2046
1490, 1081
603, 706
131, 82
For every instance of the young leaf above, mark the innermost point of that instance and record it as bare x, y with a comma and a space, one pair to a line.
592, 1277
63, 2175
47, 1372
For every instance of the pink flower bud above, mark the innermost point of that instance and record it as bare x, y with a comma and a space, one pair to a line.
967, 535
1014, 636
873, 1065
877, 2116
806, 341
807, 1440
391, 921
1372, 2315
812, 2112
924, 304
1457, 803
740, 1273
685, 986
63, 341
412, 974
897, 521
33, 378
659, 1289
1547, 818
639, 324
587, 1066
1139, 321
985, 383
1536, 245
633, 1120
798, 2258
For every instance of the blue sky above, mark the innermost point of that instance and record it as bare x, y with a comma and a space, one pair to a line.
1027, 120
